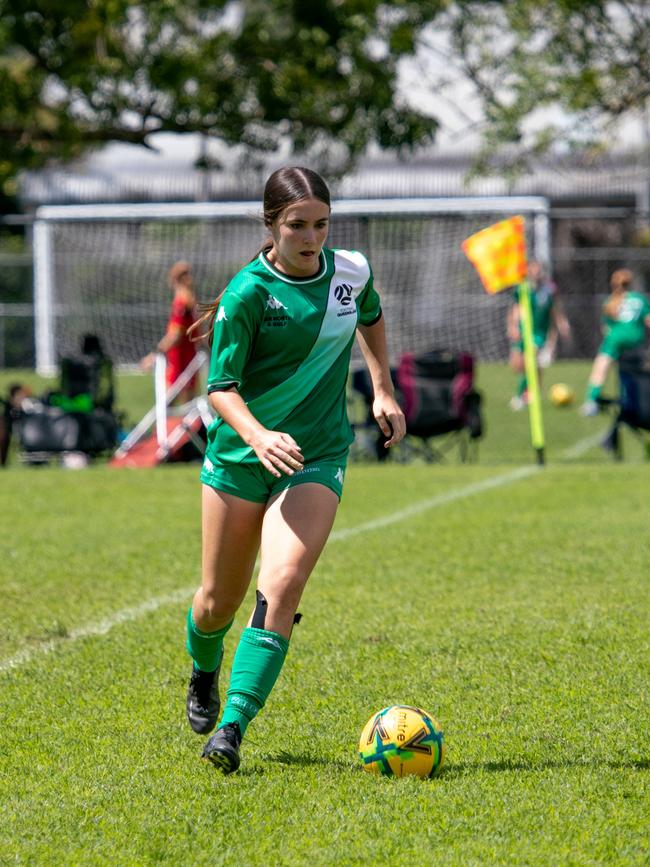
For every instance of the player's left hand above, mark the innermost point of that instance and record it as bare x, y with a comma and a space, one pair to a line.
390, 418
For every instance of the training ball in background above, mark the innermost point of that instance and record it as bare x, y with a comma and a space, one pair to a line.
561, 394
401, 740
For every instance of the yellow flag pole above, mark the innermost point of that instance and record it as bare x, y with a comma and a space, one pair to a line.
530, 362
499, 255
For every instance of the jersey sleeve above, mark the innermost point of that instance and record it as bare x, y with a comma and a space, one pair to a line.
235, 327
369, 303
646, 307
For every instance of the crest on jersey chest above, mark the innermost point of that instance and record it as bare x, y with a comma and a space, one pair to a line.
276, 314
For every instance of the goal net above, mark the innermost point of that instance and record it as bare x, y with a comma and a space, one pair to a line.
102, 269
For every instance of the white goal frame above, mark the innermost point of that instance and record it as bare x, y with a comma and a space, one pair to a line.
533, 207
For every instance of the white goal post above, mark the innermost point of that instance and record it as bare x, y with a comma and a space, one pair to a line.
102, 268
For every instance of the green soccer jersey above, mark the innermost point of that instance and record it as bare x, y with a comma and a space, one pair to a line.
541, 303
285, 343
629, 326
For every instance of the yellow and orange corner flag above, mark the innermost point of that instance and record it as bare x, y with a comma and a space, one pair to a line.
499, 254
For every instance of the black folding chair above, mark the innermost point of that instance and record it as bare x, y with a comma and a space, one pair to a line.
441, 407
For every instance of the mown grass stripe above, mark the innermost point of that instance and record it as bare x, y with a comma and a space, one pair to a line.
128, 615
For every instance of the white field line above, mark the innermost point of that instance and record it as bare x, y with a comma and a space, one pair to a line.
578, 449
434, 502
127, 615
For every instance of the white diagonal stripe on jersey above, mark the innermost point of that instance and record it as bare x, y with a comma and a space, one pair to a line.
334, 335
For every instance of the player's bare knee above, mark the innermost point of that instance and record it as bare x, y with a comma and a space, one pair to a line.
283, 583
217, 608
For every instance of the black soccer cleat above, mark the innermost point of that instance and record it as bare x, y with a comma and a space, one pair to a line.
203, 703
223, 748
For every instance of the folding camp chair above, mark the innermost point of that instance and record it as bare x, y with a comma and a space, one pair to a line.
441, 406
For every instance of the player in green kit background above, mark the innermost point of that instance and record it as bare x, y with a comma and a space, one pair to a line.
282, 333
625, 316
549, 322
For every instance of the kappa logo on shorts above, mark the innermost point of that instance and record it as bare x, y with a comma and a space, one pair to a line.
221, 315
339, 475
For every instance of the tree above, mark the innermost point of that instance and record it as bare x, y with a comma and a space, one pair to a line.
588, 58
79, 73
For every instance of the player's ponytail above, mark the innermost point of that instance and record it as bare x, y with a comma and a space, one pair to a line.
203, 328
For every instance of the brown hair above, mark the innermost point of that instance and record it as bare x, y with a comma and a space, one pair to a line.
620, 281
283, 188
177, 271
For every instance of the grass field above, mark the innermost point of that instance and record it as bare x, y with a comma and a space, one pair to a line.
509, 601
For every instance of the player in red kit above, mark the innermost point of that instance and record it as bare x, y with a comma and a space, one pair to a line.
179, 349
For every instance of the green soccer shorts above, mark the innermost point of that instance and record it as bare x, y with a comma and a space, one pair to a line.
614, 344
252, 481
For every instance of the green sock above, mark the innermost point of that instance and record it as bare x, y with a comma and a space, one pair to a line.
205, 648
522, 385
593, 392
258, 659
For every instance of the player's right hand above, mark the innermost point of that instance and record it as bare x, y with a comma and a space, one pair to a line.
278, 452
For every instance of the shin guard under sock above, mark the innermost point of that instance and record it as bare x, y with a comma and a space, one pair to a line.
258, 660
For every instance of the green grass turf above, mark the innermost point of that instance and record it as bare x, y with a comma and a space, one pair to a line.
517, 615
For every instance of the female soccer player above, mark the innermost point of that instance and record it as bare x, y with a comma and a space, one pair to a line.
175, 343
548, 322
625, 315
282, 334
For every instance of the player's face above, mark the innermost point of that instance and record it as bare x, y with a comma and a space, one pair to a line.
298, 237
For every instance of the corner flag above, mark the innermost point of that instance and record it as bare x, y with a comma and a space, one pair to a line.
499, 255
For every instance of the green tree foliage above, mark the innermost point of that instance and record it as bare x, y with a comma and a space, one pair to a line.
78, 73
589, 58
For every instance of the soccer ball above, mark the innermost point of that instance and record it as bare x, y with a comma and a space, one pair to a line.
401, 740
561, 394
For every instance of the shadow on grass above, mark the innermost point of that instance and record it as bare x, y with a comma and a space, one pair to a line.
449, 771
467, 768
305, 760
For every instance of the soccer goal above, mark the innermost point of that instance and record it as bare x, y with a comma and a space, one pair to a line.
102, 268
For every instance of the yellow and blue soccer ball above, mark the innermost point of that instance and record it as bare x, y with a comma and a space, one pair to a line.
561, 394
401, 740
